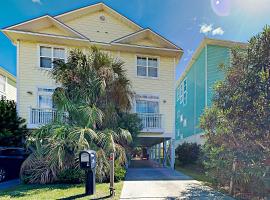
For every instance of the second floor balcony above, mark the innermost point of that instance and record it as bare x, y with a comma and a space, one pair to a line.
152, 122
43, 116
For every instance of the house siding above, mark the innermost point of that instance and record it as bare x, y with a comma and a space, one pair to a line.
198, 96
32, 77
101, 31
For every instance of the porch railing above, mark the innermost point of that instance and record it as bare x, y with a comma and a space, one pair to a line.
151, 120
42, 116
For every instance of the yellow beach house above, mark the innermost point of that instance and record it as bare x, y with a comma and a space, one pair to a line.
7, 85
150, 62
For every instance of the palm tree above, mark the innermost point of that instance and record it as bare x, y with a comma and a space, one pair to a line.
93, 88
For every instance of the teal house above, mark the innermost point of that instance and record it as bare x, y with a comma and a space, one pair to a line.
194, 89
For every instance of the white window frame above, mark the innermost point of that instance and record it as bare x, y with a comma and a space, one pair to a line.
146, 99
183, 92
52, 57
147, 57
43, 93
3, 93
178, 93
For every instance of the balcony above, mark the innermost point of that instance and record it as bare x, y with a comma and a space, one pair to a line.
152, 122
43, 116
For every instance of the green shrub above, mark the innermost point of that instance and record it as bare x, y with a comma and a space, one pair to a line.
71, 176
12, 128
119, 173
188, 153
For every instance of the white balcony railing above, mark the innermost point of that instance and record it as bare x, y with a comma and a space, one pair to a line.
42, 116
151, 121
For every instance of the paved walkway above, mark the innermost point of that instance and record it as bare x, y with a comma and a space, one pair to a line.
163, 183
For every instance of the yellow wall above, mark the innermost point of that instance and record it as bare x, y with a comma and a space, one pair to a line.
53, 30
32, 77
102, 31
147, 42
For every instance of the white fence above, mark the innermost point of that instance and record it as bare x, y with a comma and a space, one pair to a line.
151, 120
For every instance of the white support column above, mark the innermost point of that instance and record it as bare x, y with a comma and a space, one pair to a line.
164, 153
172, 153
159, 149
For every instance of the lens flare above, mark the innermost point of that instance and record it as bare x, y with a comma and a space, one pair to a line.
221, 7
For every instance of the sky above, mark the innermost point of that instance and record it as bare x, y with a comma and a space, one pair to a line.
184, 22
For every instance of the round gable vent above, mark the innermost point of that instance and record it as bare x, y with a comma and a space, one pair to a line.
102, 18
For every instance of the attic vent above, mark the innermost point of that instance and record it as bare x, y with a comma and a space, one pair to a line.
102, 18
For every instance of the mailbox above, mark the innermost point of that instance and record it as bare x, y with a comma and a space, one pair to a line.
88, 159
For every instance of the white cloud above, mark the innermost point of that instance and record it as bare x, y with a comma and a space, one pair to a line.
218, 31
206, 28
36, 1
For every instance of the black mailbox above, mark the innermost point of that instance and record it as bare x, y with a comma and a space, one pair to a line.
88, 159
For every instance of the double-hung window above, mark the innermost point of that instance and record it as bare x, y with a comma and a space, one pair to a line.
147, 67
50, 54
147, 104
45, 98
183, 92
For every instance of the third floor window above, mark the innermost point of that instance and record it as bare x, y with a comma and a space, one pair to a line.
147, 67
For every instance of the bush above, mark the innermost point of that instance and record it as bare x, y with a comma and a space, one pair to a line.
119, 173
71, 176
130, 122
12, 128
188, 153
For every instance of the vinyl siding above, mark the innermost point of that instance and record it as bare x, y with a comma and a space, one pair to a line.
196, 97
217, 55
11, 90
147, 42
32, 77
53, 30
101, 31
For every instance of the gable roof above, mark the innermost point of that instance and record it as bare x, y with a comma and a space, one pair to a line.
44, 22
35, 29
93, 8
7, 74
144, 33
209, 41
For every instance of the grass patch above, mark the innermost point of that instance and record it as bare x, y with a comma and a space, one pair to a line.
195, 172
58, 191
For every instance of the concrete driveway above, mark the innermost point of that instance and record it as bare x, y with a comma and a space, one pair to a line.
164, 183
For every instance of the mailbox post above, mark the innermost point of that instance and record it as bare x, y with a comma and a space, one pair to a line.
88, 160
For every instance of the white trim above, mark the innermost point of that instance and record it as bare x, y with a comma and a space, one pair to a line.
95, 5
26, 22
144, 30
67, 27
147, 57
51, 18
18, 77
174, 100
146, 47
47, 35
206, 76
40, 93
91, 42
146, 99
4, 93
